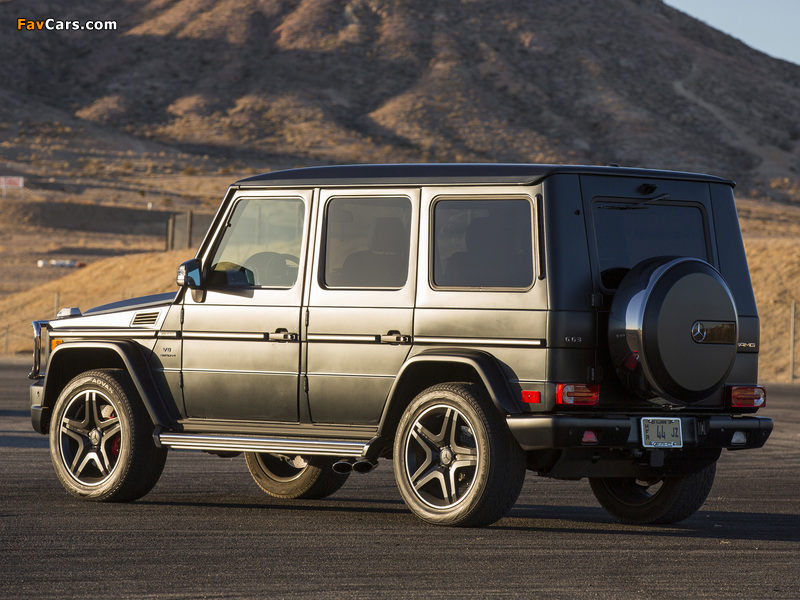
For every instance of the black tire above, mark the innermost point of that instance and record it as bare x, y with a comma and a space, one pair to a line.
101, 439
455, 461
667, 500
295, 477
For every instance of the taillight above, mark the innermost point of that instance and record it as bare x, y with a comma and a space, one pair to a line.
747, 396
577, 394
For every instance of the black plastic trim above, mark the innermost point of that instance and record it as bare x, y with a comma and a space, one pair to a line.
564, 431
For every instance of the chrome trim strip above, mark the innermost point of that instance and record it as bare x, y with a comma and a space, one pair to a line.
103, 333
478, 341
187, 441
359, 376
214, 335
237, 372
331, 337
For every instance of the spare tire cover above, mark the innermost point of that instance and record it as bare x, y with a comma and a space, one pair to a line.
673, 329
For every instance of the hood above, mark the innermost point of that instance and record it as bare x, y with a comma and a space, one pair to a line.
133, 304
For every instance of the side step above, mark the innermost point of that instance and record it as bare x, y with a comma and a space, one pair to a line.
231, 443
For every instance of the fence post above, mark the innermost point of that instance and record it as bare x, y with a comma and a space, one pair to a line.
189, 229
55, 305
170, 242
791, 342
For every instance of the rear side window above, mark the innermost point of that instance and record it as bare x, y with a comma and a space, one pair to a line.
367, 242
627, 233
483, 243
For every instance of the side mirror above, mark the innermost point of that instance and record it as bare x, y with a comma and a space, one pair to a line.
190, 275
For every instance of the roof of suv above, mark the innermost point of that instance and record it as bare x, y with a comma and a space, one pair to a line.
443, 173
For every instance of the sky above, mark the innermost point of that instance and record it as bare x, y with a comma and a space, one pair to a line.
770, 26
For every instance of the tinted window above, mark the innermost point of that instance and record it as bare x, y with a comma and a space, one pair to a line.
367, 242
483, 244
627, 233
261, 245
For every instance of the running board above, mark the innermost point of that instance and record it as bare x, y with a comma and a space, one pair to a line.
229, 443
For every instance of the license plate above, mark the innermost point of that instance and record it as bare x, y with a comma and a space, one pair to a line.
661, 433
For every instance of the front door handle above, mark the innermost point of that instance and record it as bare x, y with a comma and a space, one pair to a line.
395, 338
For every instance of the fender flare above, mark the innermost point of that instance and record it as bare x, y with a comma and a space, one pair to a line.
132, 361
487, 368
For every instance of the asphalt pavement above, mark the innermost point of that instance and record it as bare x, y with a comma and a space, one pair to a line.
207, 531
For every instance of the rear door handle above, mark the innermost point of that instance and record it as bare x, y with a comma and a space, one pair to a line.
282, 335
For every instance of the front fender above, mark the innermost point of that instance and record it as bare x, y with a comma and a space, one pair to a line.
63, 366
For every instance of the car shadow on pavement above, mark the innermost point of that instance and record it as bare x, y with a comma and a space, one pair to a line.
323, 505
779, 527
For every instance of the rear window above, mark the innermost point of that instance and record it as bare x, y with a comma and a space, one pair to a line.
627, 233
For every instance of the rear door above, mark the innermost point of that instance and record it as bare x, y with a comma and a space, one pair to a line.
361, 301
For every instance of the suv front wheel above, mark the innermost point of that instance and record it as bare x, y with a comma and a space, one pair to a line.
101, 439
455, 461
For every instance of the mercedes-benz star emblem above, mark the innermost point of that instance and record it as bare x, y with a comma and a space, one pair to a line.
698, 332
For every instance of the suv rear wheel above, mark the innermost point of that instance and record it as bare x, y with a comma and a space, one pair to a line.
455, 461
666, 500
101, 439
294, 476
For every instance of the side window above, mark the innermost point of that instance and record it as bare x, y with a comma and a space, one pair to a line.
367, 242
261, 244
483, 244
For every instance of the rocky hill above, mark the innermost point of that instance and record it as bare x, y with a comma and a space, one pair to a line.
271, 82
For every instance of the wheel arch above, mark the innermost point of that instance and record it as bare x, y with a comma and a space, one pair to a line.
73, 358
431, 367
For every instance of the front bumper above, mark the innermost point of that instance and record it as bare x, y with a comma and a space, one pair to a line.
534, 432
39, 413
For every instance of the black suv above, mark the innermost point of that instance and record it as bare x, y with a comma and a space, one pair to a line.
470, 322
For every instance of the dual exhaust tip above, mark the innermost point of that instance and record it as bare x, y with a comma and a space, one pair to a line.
359, 466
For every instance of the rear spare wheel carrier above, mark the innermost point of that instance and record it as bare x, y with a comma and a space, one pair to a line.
673, 329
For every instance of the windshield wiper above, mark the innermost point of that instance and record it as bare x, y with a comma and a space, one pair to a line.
638, 205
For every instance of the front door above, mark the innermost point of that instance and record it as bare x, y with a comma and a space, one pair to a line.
361, 302
241, 342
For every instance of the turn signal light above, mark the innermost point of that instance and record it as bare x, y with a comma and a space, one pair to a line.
531, 397
54, 343
577, 394
747, 396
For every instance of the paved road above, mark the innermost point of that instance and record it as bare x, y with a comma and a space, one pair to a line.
206, 531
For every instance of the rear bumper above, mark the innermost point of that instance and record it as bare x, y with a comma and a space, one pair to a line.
699, 431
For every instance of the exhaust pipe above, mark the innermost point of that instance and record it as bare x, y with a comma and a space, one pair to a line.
364, 466
343, 467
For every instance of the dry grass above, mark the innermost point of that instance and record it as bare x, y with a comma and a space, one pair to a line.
105, 281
